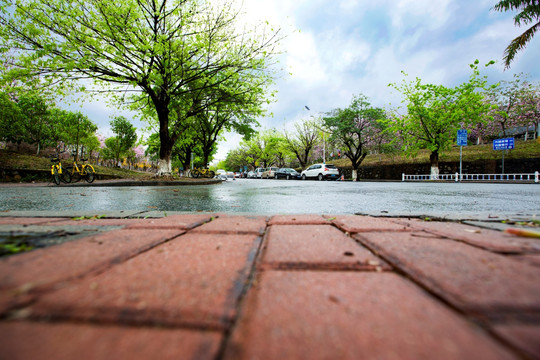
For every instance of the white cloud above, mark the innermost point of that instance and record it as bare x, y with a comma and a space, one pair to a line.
405, 13
336, 49
304, 59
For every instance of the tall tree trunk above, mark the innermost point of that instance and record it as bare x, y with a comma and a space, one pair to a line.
355, 165
166, 143
434, 160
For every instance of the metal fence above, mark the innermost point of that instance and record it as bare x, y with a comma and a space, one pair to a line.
474, 177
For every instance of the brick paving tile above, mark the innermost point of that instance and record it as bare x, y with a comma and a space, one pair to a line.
21, 273
235, 225
530, 259
525, 337
471, 278
351, 315
187, 221
23, 341
194, 280
316, 246
357, 223
488, 239
306, 219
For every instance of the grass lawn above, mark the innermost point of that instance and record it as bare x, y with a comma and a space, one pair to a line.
523, 150
13, 160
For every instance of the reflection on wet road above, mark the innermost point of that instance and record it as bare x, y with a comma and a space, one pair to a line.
250, 196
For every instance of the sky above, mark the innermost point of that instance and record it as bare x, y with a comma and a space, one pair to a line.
335, 49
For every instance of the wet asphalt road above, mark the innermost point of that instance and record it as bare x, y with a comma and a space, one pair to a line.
255, 196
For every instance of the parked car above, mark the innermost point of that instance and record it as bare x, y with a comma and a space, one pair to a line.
287, 173
251, 174
321, 172
269, 173
221, 174
258, 172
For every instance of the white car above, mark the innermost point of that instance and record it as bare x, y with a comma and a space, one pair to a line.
221, 174
258, 173
321, 172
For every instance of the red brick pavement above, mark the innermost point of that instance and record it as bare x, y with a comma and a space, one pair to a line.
218, 286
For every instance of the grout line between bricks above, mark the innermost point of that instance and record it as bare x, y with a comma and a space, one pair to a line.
466, 242
250, 280
21, 315
477, 246
322, 266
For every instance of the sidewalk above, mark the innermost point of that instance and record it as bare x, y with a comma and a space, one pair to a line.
214, 286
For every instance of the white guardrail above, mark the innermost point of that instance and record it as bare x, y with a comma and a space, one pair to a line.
474, 177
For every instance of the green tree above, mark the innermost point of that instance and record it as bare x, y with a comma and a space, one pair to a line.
529, 13
263, 149
75, 128
436, 112
110, 150
283, 153
236, 158
35, 117
90, 144
267, 145
235, 114
303, 139
11, 126
125, 138
173, 53
355, 129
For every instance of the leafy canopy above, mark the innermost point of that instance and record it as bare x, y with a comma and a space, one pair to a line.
172, 58
529, 13
434, 113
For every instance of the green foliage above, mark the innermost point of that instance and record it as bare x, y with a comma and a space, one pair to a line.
27, 115
38, 125
125, 132
529, 14
182, 57
436, 112
14, 248
11, 128
303, 139
119, 146
76, 129
264, 149
356, 128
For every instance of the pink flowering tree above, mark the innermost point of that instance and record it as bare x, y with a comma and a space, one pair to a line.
134, 155
504, 99
512, 104
356, 129
527, 109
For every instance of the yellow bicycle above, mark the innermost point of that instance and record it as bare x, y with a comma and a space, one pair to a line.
206, 173
58, 175
82, 171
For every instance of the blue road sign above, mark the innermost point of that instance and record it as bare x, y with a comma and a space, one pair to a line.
503, 144
462, 137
